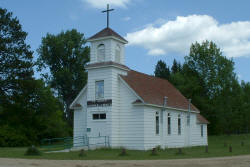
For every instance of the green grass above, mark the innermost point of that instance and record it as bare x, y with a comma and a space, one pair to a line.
216, 148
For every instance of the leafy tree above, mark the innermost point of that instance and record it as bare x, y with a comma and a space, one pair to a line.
162, 70
208, 78
64, 55
216, 70
219, 83
28, 109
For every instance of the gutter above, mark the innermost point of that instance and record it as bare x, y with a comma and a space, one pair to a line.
172, 108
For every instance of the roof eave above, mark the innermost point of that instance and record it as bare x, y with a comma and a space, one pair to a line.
166, 107
103, 66
107, 37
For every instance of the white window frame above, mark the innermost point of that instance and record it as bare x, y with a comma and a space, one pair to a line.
169, 124
179, 124
99, 115
96, 90
118, 54
101, 53
202, 130
157, 123
188, 118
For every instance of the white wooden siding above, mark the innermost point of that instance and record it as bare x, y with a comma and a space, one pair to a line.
110, 45
80, 120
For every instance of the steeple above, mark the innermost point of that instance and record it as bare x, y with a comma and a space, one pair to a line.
107, 32
107, 45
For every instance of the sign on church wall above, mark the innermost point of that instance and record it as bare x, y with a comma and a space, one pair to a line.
100, 103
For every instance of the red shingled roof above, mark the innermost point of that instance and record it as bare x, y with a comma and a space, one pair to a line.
152, 90
107, 32
202, 119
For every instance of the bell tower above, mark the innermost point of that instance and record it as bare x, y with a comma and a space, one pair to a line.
107, 46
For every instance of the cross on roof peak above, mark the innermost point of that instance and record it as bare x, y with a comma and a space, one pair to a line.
107, 11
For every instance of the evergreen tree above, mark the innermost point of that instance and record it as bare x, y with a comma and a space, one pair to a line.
162, 70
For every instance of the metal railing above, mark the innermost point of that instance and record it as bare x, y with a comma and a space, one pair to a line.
77, 141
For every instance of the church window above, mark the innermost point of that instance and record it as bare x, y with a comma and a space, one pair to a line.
179, 124
157, 128
188, 119
201, 130
99, 116
169, 124
117, 54
99, 89
101, 53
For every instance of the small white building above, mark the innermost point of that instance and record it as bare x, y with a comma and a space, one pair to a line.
131, 109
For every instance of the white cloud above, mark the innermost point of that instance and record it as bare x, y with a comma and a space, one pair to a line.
177, 35
100, 4
126, 18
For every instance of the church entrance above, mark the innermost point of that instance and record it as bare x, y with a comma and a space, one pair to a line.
98, 135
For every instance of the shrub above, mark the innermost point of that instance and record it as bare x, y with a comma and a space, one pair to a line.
32, 151
154, 151
12, 137
179, 152
124, 152
82, 153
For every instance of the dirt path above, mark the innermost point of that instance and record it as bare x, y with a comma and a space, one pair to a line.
237, 161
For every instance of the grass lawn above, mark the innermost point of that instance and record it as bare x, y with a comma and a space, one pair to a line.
216, 148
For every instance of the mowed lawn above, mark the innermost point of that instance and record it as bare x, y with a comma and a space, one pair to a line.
216, 148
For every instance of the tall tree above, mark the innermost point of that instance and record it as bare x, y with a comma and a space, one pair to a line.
28, 109
162, 70
65, 55
219, 83
176, 67
216, 70
15, 55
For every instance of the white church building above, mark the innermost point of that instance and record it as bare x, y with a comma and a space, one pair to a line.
129, 108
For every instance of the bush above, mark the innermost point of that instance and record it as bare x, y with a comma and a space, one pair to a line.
11, 137
123, 153
32, 151
82, 153
154, 151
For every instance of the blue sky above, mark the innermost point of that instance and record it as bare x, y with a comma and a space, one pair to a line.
159, 29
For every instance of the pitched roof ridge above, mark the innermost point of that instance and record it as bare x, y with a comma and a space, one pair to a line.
107, 32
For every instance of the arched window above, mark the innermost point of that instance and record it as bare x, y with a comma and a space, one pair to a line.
169, 124
100, 53
117, 54
179, 124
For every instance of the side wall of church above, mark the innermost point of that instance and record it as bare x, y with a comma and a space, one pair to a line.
189, 136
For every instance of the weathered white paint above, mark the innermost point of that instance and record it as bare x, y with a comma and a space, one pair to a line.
80, 119
128, 125
110, 47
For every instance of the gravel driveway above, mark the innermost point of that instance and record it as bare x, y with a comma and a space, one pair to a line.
236, 161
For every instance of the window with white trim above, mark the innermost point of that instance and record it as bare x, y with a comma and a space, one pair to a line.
99, 89
188, 119
157, 125
98, 116
179, 124
169, 124
201, 130
117, 54
101, 53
